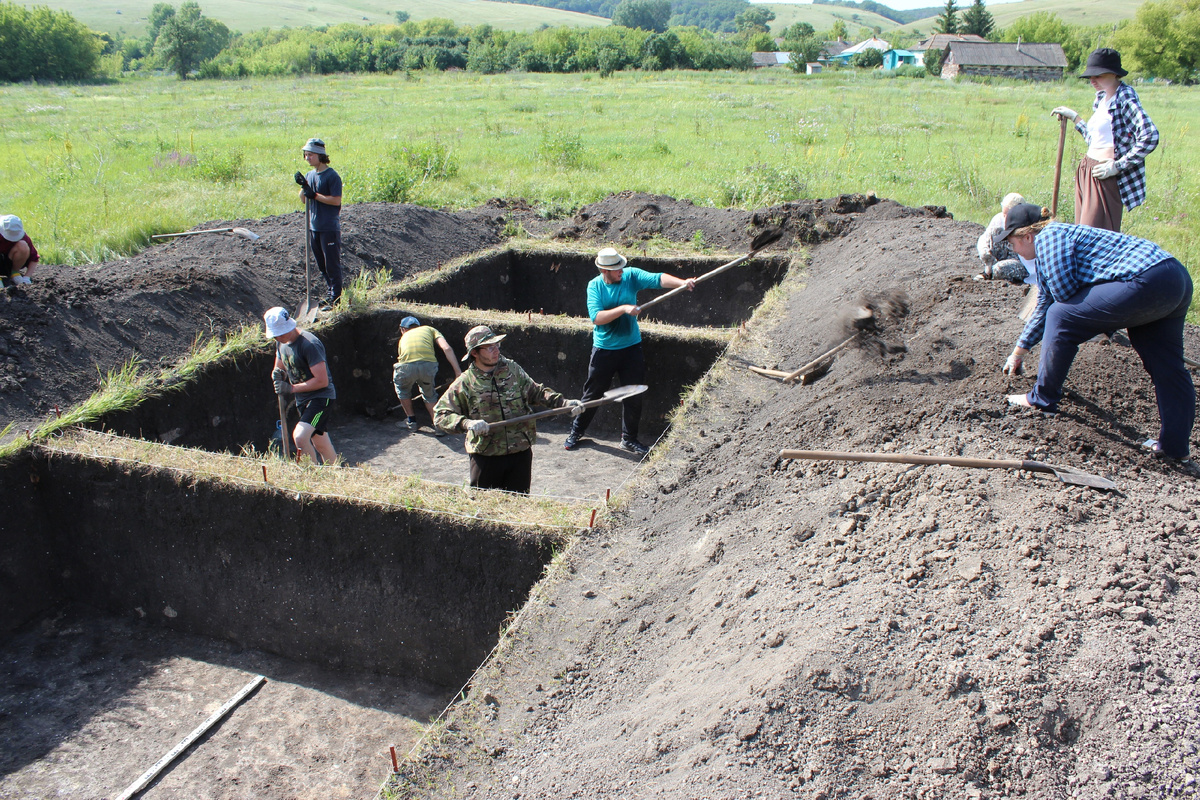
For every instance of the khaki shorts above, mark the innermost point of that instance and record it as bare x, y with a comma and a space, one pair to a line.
421, 373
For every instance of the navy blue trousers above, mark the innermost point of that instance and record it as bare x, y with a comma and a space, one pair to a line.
629, 365
1152, 306
327, 252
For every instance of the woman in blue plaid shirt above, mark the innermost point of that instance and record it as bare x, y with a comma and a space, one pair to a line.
1119, 135
1093, 281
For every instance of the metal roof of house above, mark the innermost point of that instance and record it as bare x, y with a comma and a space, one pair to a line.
939, 40
771, 59
868, 44
1007, 54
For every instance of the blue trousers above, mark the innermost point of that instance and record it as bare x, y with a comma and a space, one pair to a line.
1152, 306
629, 365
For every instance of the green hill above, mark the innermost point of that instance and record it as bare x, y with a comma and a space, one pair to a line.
822, 17
247, 15
1072, 12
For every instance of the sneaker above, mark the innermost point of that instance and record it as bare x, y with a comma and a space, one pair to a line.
572, 441
411, 422
634, 446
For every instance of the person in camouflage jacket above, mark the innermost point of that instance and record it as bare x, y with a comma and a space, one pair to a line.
491, 390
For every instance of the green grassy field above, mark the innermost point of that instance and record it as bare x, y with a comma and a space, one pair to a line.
94, 170
248, 15
822, 17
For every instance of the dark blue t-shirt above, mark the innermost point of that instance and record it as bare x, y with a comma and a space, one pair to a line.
324, 217
298, 357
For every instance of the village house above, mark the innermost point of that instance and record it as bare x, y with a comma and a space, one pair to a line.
896, 58
1025, 61
850, 52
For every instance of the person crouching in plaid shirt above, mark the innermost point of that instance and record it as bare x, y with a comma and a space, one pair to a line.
1093, 281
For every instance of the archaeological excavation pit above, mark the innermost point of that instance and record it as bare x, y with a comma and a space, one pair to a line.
149, 569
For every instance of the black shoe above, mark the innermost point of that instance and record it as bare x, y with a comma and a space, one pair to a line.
572, 441
634, 446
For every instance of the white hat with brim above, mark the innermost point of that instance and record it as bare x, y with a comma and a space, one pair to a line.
315, 146
11, 228
609, 258
279, 322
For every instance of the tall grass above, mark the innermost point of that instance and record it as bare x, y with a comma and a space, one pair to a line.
94, 170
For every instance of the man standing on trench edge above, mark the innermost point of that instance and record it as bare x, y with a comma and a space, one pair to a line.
494, 389
617, 341
300, 369
321, 189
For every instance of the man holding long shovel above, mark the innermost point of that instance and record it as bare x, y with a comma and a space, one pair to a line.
617, 341
483, 401
300, 369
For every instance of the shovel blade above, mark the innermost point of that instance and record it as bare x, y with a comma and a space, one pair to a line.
1084, 479
765, 238
622, 393
305, 314
246, 233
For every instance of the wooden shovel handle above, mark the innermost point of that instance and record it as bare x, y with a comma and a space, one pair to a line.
905, 458
288, 447
1062, 141
704, 277
551, 412
792, 376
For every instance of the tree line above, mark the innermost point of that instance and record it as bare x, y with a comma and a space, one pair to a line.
41, 44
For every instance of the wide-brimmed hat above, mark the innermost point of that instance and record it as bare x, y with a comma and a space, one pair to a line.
609, 258
11, 228
479, 336
1103, 60
279, 322
315, 146
410, 322
1019, 216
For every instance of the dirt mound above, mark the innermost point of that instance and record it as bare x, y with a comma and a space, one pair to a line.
755, 627
74, 323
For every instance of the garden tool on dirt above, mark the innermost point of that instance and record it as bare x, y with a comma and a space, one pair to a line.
862, 319
1062, 141
758, 243
611, 396
307, 312
245, 233
288, 448
1064, 474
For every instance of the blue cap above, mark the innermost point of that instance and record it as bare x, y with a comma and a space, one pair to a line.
409, 322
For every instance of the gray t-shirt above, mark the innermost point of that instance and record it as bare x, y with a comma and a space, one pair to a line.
324, 217
298, 358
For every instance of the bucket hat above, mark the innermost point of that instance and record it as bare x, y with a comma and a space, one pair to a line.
279, 322
1102, 60
609, 258
478, 337
11, 228
1019, 216
409, 322
315, 146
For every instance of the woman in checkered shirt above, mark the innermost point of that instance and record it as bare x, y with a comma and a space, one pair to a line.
1119, 135
1093, 281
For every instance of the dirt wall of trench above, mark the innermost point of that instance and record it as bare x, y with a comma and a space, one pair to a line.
339, 584
556, 283
28, 581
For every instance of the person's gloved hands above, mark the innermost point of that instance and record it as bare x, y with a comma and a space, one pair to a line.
479, 427
1065, 113
1015, 365
1105, 169
309, 192
282, 386
576, 407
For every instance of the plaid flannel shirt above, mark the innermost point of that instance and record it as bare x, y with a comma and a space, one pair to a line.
1134, 138
1070, 257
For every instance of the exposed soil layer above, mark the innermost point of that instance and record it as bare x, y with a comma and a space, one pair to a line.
752, 627
90, 702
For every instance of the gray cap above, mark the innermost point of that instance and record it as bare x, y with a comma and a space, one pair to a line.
315, 146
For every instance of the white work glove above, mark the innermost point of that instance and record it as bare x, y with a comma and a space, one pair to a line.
1014, 365
478, 426
1065, 113
576, 407
1105, 169
21, 279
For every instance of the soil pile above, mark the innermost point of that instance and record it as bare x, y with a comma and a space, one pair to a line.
754, 627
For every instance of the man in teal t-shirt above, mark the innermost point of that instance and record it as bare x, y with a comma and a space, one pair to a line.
617, 341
